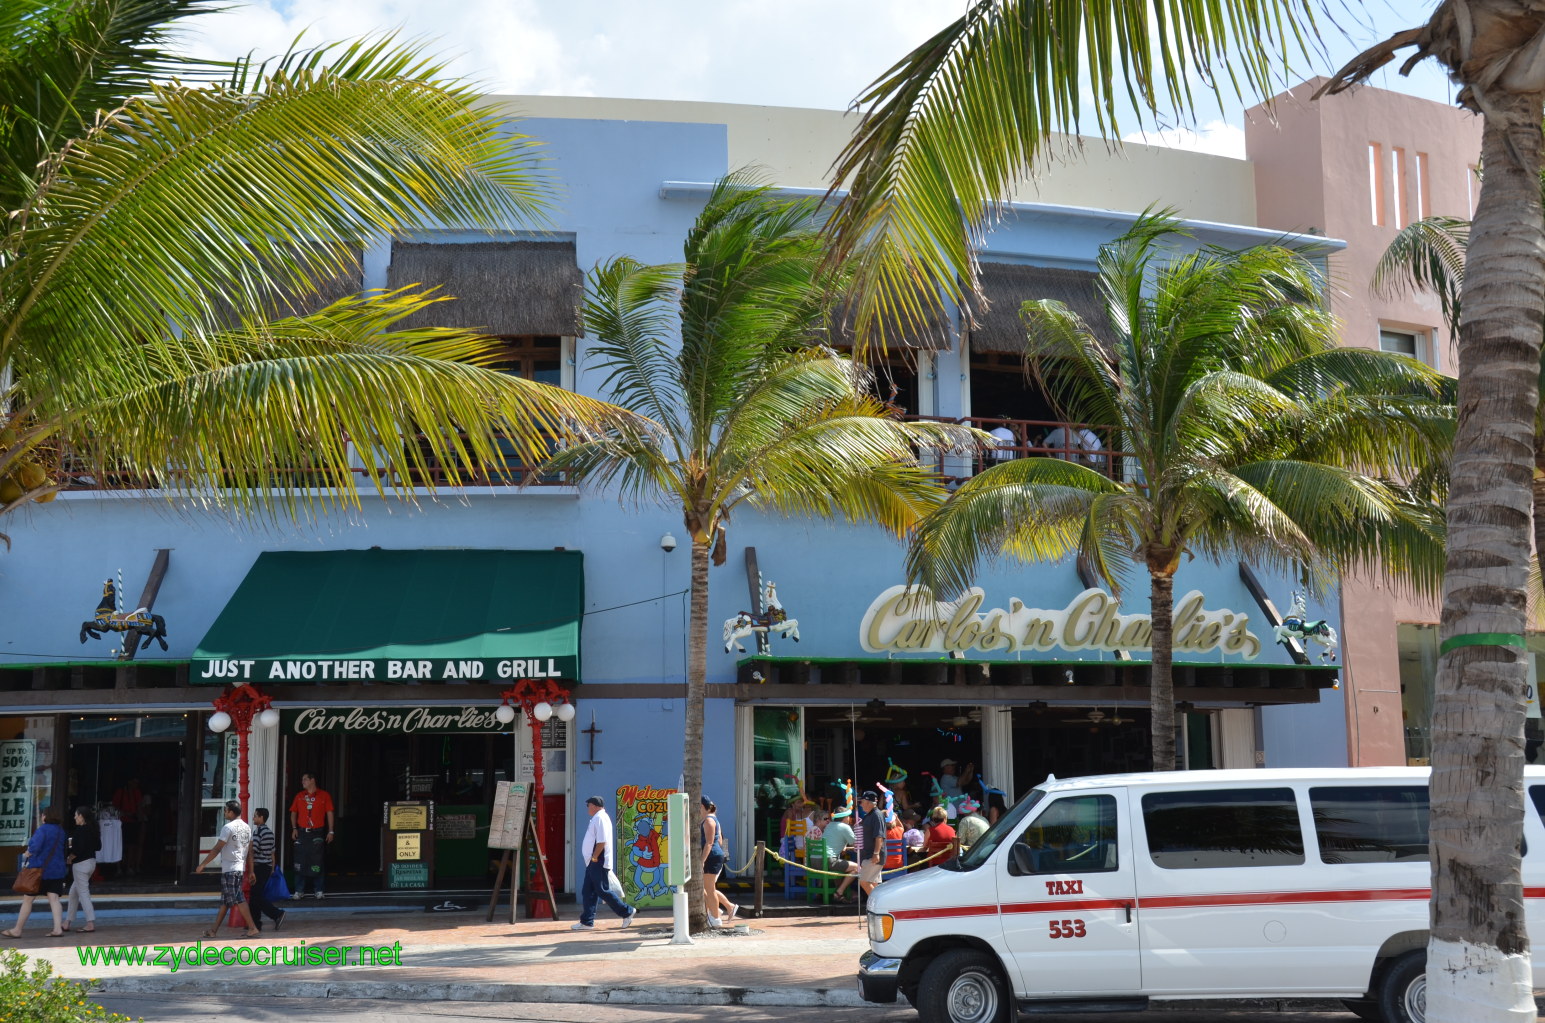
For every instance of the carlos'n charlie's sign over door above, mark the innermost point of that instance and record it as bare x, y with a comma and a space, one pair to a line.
904, 620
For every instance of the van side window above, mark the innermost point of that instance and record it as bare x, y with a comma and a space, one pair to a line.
1537, 797
1075, 835
1371, 824
1223, 828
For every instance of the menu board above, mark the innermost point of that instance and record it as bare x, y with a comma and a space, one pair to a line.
507, 825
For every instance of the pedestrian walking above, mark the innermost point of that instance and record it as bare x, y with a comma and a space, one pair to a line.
311, 827
596, 852
262, 857
85, 843
45, 851
232, 848
720, 909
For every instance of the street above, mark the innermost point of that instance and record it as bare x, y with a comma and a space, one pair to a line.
160, 1008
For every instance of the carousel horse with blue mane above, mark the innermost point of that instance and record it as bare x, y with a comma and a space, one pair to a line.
139, 626
1296, 625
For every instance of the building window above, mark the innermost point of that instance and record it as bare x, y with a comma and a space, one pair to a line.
1376, 181
536, 358
1423, 188
1418, 650
1415, 343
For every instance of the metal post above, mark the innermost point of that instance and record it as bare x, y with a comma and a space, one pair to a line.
761, 867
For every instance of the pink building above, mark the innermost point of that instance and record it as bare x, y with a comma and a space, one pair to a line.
1359, 167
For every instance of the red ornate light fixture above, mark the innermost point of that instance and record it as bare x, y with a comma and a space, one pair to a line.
541, 699
240, 706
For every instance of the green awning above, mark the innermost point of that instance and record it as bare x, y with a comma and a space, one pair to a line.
336, 617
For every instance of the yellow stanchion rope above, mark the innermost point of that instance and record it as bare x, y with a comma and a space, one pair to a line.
828, 873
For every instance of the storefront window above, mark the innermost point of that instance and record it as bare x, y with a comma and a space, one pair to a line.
776, 758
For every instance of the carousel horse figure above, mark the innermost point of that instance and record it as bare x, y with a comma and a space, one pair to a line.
773, 619
1296, 625
139, 626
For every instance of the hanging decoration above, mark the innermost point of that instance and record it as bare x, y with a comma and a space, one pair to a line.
140, 627
772, 619
1296, 625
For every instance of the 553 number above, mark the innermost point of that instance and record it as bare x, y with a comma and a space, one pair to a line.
1068, 929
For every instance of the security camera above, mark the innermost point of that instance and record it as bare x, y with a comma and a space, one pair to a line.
667, 543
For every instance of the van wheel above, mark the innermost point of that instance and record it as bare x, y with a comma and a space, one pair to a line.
963, 986
1403, 989
1364, 1008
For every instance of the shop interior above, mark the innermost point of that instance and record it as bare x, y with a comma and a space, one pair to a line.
132, 768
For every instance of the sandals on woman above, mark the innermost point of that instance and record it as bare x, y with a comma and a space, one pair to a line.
55, 934
209, 933
11, 934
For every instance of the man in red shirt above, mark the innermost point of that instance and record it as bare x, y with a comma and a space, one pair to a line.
311, 826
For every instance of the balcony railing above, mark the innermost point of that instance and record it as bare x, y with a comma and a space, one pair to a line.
1037, 438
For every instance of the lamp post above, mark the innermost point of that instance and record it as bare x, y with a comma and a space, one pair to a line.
540, 698
240, 705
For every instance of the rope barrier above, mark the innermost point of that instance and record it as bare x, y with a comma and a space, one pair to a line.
828, 873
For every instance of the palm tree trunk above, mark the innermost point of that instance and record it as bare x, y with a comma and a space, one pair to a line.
1161, 684
1478, 967
692, 733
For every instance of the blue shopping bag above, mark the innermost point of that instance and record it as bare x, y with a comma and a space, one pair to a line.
276, 889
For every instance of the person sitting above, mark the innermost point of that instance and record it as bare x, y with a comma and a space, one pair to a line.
1005, 440
1064, 440
971, 825
839, 838
941, 837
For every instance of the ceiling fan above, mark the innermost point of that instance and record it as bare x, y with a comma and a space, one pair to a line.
857, 715
1097, 717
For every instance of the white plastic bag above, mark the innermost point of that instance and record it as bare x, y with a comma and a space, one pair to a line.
615, 885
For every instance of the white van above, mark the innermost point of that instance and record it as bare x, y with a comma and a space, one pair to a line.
1108, 893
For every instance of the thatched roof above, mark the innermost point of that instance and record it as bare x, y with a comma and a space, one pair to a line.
936, 336
498, 287
1007, 286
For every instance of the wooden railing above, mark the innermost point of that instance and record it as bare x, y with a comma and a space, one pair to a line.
1037, 438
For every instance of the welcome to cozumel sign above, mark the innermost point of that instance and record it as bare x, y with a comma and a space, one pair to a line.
910, 620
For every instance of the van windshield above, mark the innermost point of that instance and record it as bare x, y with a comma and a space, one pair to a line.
1007, 824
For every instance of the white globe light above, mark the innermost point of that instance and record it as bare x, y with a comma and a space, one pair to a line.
505, 713
565, 712
542, 711
269, 718
219, 721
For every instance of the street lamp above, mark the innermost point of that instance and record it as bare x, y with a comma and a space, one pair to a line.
240, 706
541, 699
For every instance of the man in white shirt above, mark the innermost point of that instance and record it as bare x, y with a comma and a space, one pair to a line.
595, 850
235, 839
1005, 440
1062, 440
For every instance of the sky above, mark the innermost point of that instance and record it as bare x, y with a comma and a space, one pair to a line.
798, 53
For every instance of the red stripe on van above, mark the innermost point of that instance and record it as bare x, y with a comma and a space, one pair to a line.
1064, 905
943, 911
1282, 898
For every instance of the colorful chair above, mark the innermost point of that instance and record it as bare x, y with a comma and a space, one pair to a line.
819, 887
794, 876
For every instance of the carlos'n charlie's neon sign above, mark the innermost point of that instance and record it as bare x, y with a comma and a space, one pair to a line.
911, 621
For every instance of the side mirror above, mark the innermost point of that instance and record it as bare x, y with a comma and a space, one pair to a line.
1021, 860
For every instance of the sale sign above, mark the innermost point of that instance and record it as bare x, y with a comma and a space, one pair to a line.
17, 759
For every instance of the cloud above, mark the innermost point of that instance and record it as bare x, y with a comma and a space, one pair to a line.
1216, 137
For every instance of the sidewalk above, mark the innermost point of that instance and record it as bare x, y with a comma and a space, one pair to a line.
785, 961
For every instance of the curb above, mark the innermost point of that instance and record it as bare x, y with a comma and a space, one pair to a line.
573, 994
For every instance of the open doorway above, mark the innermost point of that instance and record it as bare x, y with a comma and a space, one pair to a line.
139, 781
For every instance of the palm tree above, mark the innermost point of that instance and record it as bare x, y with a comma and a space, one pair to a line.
1251, 434
167, 217
744, 411
956, 122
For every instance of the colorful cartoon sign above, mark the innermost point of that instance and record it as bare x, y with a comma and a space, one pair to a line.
641, 846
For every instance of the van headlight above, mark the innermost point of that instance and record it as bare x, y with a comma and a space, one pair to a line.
880, 926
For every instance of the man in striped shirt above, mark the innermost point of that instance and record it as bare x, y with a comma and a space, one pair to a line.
262, 868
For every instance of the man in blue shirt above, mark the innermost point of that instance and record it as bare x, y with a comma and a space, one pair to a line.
871, 850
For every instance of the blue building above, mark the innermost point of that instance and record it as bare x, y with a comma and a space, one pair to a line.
386, 635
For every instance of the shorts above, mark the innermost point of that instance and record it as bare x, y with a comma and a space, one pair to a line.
869, 873
230, 889
52, 886
714, 863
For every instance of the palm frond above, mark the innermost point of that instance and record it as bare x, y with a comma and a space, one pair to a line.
953, 126
1426, 255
